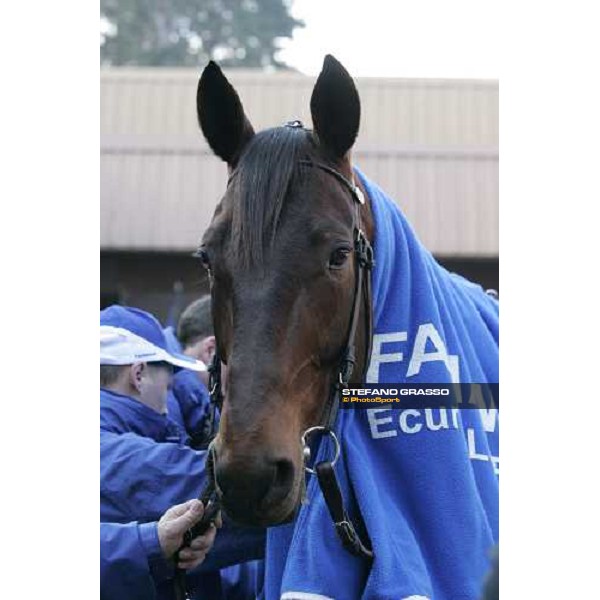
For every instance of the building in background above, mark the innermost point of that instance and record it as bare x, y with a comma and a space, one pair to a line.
431, 144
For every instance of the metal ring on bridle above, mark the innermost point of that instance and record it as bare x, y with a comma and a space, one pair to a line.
323, 429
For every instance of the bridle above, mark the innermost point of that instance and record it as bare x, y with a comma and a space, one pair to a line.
364, 262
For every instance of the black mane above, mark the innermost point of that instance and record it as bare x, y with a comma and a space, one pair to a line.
268, 170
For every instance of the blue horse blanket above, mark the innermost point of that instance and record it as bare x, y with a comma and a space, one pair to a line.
424, 482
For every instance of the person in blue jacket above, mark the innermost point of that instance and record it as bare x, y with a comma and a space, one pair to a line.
189, 400
196, 333
145, 468
135, 558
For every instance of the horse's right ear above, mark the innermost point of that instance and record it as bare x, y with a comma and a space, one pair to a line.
221, 115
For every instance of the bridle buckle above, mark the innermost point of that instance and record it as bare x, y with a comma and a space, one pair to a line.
364, 251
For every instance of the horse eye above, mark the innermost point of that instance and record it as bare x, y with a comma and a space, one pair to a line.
202, 254
338, 258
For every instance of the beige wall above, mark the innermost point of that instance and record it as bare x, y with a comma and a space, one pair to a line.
431, 144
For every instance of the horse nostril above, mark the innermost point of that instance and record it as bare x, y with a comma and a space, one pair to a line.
281, 483
249, 482
256, 483
284, 474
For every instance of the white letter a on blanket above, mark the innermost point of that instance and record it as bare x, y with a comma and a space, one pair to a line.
419, 356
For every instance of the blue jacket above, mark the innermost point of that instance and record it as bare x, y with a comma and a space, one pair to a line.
188, 402
422, 482
194, 404
131, 561
145, 469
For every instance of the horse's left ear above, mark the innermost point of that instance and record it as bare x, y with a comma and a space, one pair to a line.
335, 108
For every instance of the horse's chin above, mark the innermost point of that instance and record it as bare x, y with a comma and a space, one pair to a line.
280, 514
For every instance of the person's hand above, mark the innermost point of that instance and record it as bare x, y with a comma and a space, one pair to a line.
172, 527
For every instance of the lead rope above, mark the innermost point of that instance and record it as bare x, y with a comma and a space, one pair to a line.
210, 494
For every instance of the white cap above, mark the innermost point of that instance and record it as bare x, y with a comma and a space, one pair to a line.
119, 346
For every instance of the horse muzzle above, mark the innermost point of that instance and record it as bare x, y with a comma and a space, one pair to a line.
257, 490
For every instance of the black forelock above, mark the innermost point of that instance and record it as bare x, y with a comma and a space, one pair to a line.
267, 171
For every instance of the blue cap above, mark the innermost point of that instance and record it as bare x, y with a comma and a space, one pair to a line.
129, 335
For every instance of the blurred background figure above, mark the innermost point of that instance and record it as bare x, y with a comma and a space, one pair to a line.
491, 589
196, 333
189, 398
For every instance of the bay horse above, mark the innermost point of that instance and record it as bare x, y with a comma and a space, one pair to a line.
279, 255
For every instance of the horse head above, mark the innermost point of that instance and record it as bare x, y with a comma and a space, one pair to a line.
280, 256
